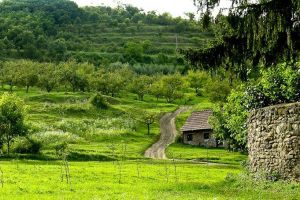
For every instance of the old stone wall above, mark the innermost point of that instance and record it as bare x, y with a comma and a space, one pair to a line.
274, 141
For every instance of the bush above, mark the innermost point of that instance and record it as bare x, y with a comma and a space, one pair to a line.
229, 121
217, 90
53, 138
87, 128
99, 101
277, 85
26, 145
12, 114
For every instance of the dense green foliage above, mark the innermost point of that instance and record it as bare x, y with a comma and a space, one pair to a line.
26, 145
99, 101
59, 30
256, 42
276, 86
279, 85
253, 32
11, 119
84, 77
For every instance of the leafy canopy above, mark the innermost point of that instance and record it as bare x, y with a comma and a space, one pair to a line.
12, 113
266, 31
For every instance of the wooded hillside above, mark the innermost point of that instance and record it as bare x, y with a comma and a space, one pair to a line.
59, 30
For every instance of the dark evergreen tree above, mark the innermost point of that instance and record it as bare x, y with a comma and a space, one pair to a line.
267, 31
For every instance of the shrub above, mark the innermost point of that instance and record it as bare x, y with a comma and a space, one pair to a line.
12, 113
277, 85
197, 80
26, 145
54, 138
217, 90
99, 101
86, 128
229, 121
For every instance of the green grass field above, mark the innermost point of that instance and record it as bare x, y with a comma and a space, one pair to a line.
106, 156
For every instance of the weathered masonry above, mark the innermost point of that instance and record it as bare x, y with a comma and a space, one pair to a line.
274, 141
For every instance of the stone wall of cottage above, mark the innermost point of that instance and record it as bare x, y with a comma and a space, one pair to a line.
274, 141
198, 139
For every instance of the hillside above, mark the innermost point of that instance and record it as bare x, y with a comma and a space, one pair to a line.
91, 101
59, 30
105, 156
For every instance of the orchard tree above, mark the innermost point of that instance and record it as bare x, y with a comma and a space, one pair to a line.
141, 85
12, 113
217, 90
97, 81
9, 74
133, 51
173, 86
149, 119
48, 76
197, 80
58, 49
77, 75
111, 82
27, 73
157, 89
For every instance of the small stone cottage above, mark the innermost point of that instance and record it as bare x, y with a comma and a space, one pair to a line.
197, 130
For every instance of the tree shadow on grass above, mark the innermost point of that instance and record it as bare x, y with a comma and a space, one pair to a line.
73, 156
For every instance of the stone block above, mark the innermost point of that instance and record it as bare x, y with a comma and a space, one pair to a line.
274, 140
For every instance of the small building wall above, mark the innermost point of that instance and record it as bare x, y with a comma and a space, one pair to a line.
198, 138
274, 141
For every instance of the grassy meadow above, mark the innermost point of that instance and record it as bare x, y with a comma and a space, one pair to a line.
105, 156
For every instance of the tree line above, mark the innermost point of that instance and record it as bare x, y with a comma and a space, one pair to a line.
112, 80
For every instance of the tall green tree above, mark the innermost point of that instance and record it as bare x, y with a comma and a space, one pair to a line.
57, 50
111, 82
266, 31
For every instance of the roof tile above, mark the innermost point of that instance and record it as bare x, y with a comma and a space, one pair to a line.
198, 121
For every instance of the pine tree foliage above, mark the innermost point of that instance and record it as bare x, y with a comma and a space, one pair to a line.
266, 31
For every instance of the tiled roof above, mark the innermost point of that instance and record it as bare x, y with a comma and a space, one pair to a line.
198, 121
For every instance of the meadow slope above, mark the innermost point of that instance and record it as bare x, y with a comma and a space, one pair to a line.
105, 156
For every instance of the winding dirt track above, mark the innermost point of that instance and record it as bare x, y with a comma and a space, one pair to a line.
167, 136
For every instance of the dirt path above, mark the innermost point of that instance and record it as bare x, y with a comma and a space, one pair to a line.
168, 134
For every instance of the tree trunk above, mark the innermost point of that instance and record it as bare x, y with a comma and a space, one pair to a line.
48, 88
27, 88
148, 125
141, 97
289, 41
8, 144
11, 86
